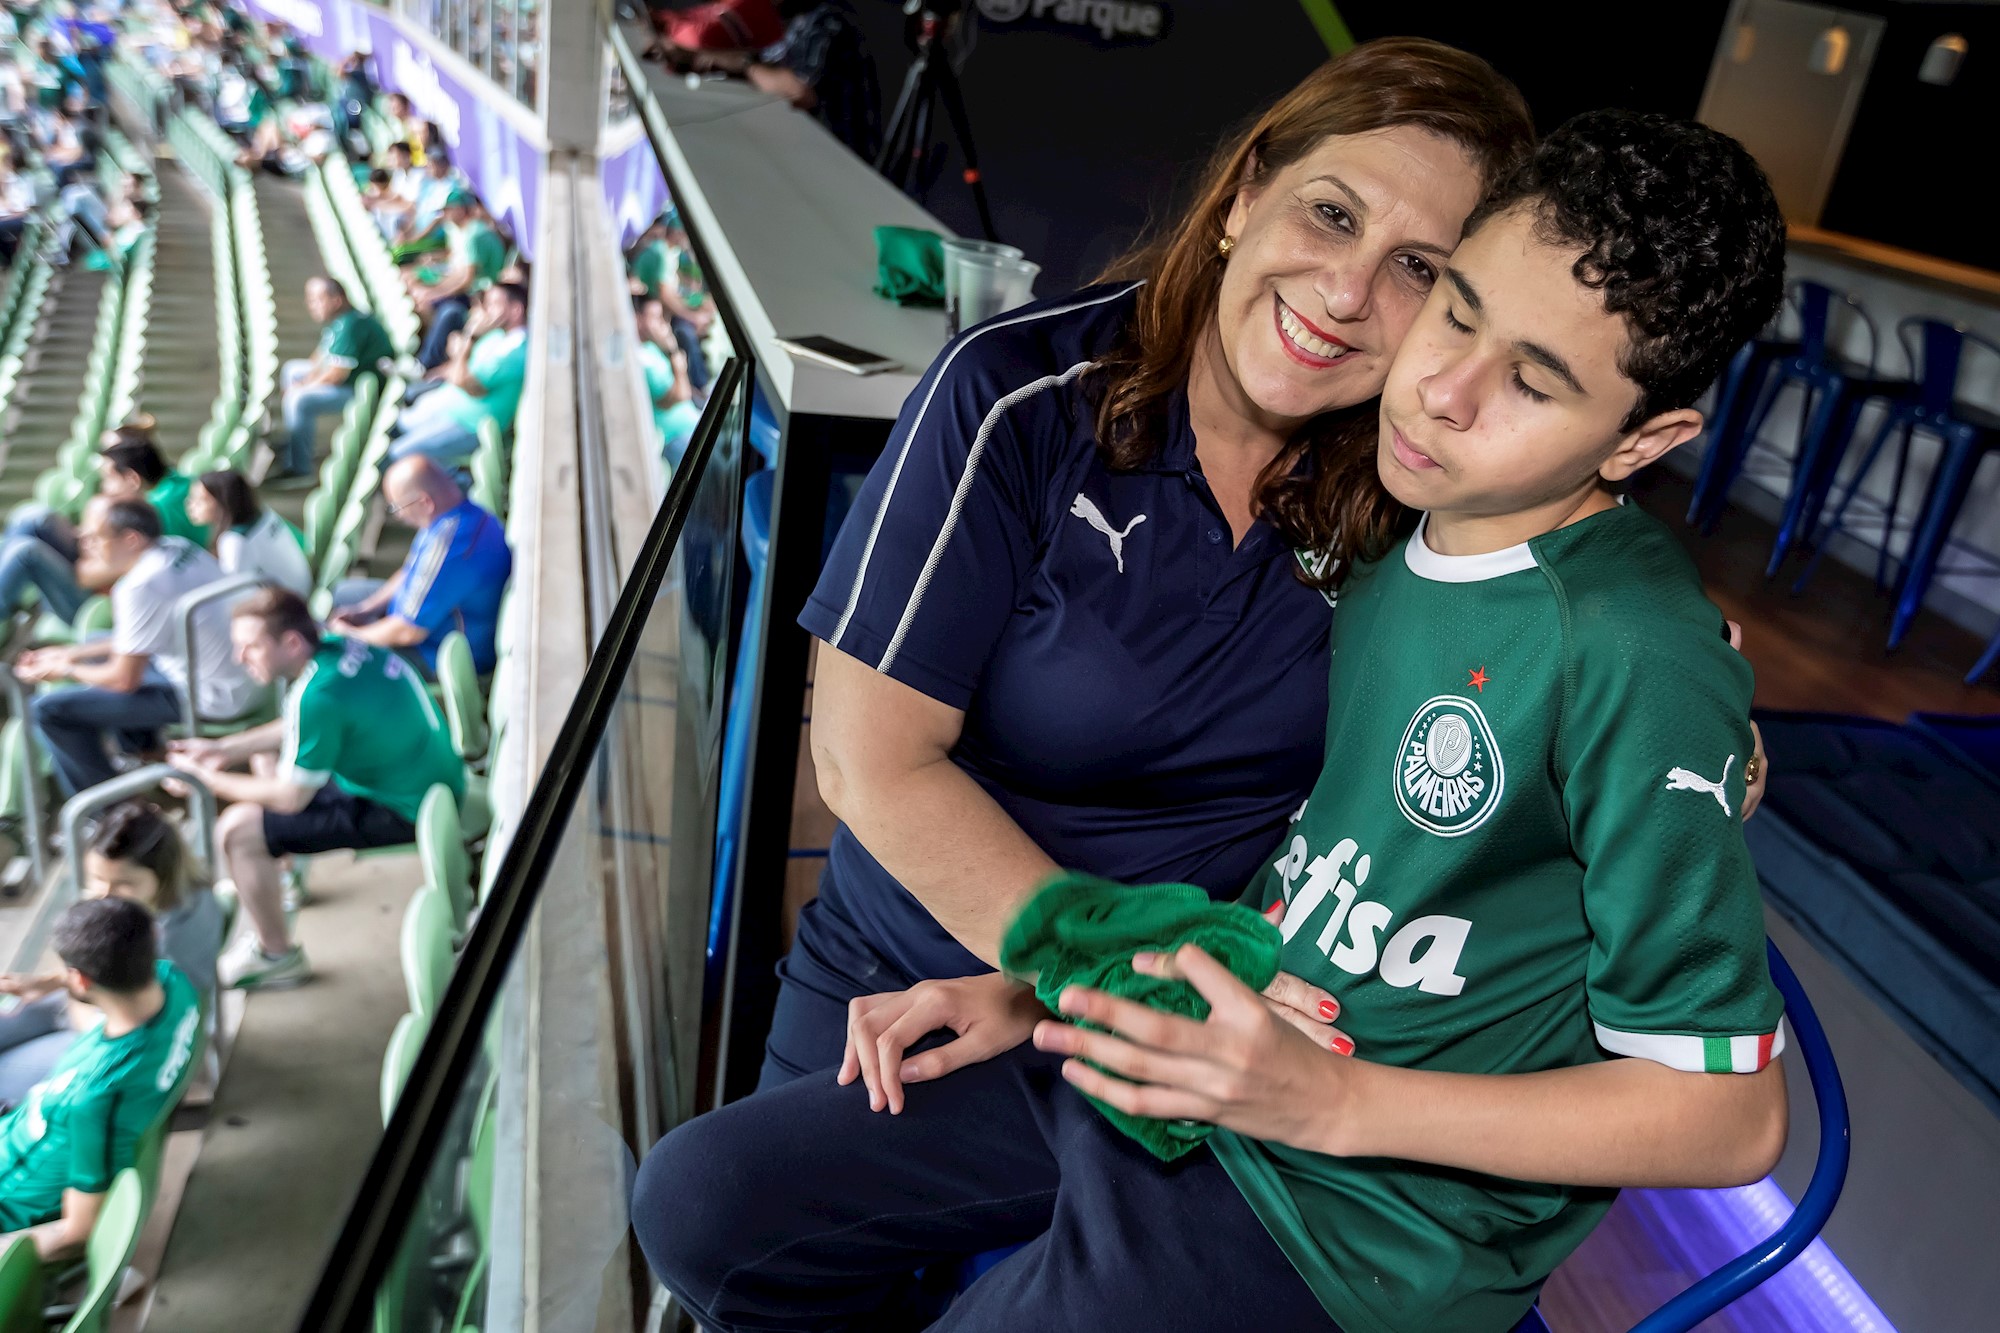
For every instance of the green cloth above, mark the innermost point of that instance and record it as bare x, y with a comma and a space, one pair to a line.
81, 1125
169, 499
1524, 852
360, 718
355, 340
1079, 930
909, 265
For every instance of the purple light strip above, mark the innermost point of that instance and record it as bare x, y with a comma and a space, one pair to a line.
1703, 1229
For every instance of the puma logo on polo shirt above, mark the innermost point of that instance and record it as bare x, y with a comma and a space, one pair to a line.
1085, 508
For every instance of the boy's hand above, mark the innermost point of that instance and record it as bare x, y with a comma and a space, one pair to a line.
989, 1013
1245, 1068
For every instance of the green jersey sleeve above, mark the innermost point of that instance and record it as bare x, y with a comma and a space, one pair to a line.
92, 1120
312, 733
342, 344
1654, 742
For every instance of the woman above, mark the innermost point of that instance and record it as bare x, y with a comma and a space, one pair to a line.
1065, 623
135, 854
249, 538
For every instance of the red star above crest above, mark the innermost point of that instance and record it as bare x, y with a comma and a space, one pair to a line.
1479, 679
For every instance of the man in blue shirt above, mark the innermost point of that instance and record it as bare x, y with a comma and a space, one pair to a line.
452, 579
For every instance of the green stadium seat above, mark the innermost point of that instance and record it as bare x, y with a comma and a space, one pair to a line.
441, 851
426, 950
464, 705
320, 507
21, 1287
398, 1060
112, 1241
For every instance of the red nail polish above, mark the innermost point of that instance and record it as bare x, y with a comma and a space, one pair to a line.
1329, 1009
1342, 1046
1275, 912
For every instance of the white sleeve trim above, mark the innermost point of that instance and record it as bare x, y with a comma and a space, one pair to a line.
1742, 1054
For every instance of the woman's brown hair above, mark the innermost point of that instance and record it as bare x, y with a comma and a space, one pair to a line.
138, 832
1337, 504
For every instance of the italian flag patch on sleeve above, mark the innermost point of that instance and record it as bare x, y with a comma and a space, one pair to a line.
1697, 1055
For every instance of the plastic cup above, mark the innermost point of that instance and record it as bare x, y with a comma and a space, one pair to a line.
985, 285
953, 250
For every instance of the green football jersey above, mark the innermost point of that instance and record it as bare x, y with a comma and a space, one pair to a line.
361, 717
1524, 852
169, 501
80, 1126
356, 340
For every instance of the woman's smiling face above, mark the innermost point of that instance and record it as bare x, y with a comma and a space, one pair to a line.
1334, 256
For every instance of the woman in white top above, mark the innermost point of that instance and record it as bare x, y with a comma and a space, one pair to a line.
249, 539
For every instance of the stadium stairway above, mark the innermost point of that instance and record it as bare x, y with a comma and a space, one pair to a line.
45, 399
181, 371
293, 257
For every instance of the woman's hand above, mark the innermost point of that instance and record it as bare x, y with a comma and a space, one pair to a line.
28, 986
989, 1013
1247, 1068
1303, 1005
1758, 771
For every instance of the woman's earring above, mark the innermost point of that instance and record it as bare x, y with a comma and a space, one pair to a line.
1225, 245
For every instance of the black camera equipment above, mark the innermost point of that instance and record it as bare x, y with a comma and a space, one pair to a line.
906, 143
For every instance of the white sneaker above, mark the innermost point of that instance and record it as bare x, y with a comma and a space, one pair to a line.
245, 966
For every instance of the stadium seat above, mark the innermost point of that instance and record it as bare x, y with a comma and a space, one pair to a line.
21, 1288
464, 705
398, 1060
426, 950
112, 1241
441, 851
152, 1149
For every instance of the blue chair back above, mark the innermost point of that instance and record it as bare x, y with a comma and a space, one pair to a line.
1814, 302
764, 431
1935, 349
736, 729
1749, 1270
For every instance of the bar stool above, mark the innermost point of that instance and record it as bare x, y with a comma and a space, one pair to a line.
1835, 388
1738, 389
1967, 433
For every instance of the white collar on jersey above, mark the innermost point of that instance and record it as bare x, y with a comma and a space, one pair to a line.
1428, 564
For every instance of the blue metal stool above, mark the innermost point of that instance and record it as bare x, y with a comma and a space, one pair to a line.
1835, 391
1967, 433
1736, 392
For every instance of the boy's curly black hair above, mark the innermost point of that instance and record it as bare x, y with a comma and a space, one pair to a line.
1680, 233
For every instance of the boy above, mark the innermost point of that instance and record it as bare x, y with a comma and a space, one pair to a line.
1523, 857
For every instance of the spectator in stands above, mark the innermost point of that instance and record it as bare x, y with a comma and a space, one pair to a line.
476, 254
391, 196
250, 538
135, 854
352, 344
405, 126
358, 747
17, 205
241, 104
664, 268
665, 364
64, 149
132, 682
78, 1128
452, 579
480, 381
129, 464
354, 92
422, 231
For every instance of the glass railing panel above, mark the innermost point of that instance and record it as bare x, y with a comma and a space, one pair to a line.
502, 1173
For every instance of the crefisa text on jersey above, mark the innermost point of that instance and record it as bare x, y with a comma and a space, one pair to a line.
1423, 953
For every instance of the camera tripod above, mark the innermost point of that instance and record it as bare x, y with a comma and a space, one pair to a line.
906, 143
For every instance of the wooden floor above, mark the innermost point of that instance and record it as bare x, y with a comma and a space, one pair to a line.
1823, 650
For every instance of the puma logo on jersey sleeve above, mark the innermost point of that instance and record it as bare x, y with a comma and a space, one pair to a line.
1681, 779
1085, 508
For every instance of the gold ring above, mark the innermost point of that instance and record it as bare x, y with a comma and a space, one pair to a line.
1753, 770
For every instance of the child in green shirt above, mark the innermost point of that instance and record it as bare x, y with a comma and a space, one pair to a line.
1521, 873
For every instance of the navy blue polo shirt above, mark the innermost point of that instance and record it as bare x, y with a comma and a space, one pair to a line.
1145, 700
